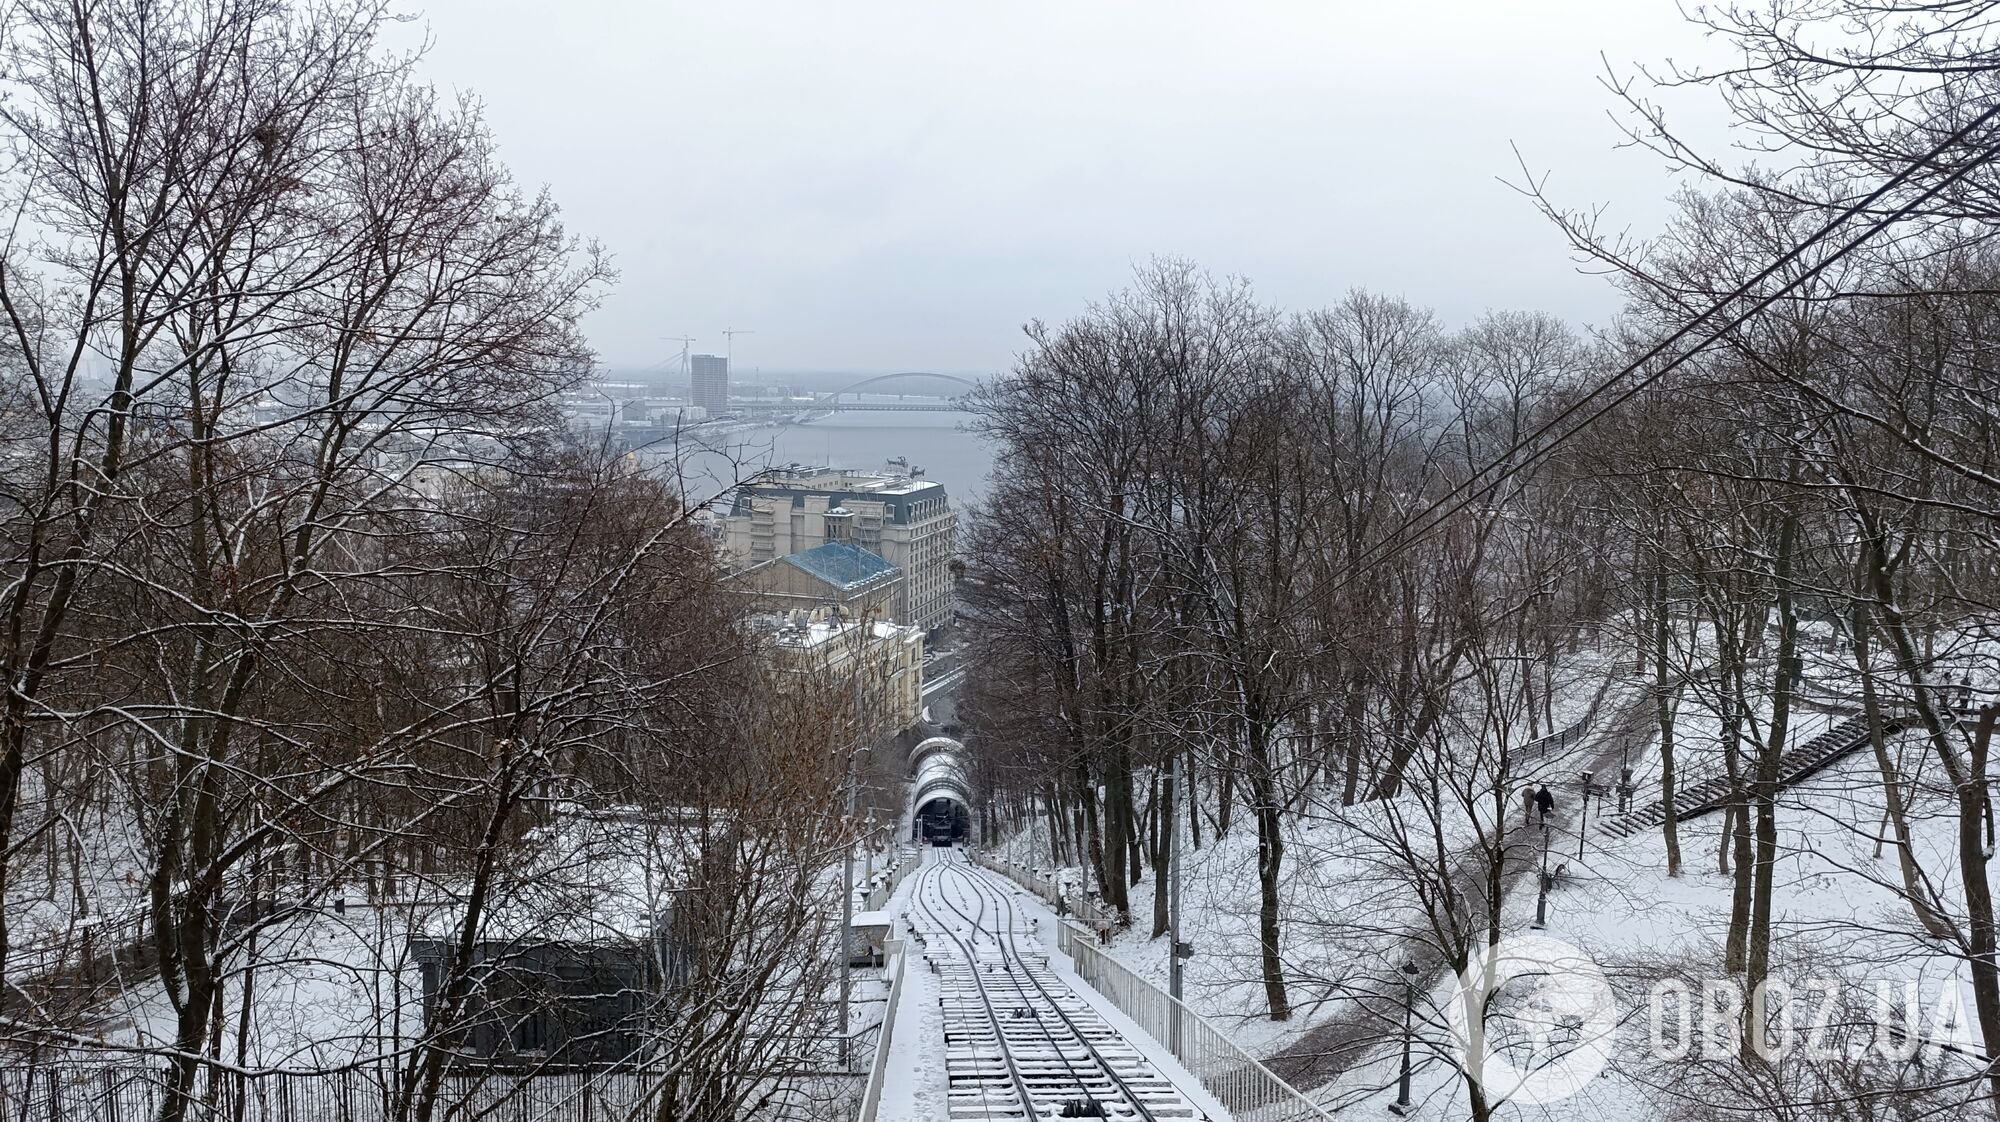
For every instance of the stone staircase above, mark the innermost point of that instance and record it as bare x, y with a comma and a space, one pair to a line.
1797, 763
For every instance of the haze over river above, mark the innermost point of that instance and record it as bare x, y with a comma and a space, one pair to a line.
936, 442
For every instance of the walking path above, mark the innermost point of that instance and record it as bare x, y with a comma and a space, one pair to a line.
1374, 1018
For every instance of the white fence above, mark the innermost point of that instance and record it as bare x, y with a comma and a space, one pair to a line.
871, 1097
1245, 1087
1088, 912
879, 897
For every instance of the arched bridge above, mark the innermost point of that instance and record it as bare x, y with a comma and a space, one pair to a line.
940, 793
832, 403
878, 379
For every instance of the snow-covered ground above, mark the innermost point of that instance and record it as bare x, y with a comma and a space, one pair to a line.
336, 981
1836, 915
1332, 869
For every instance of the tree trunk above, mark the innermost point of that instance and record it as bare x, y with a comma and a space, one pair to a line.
1758, 960
1968, 777
1975, 811
1117, 840
1663, 702
1270, 862
1895, 813
1736, 947
1350, 737
1163, 852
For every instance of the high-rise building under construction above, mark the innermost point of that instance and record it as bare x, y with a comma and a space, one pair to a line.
708, 382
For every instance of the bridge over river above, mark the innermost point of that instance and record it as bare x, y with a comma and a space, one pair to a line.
855, 399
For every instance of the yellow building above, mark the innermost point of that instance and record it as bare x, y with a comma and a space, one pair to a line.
882, 661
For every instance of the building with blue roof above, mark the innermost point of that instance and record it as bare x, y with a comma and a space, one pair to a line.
904, 519
835, 574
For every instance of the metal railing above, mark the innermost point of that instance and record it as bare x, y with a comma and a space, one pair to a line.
133, 1093
1561, 738
1246, 1088
871, 1097
879, 898
1082, 909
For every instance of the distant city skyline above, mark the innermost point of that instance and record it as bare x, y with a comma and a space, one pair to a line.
804, 376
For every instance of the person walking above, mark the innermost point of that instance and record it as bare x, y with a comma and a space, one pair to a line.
1545, 803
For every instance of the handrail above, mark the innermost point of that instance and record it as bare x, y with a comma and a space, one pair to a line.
1086, 911
879, 897
1567, 736
1250, 1091
871, 1097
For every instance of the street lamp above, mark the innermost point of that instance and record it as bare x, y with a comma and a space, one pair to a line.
847, 824
1177, 951
847, 917
1583, 819
1402, 1103
1542, 900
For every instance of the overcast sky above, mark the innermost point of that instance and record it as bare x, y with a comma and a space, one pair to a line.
877, 185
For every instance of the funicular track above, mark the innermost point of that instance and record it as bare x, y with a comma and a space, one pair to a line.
1019, 1044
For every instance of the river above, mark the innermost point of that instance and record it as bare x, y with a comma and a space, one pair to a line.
938, 443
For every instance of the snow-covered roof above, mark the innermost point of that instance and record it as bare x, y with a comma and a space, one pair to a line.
819, 629
594, 876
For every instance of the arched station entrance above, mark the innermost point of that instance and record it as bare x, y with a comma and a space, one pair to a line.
940, 796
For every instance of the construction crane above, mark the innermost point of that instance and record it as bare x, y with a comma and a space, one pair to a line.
729, 335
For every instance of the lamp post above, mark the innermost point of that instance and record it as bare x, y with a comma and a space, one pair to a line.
868, 849
1583, 818
1176, 950
1402, 1103
847, 824
1542, 900
847, 917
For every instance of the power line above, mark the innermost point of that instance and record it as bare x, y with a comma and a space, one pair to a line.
1507, 462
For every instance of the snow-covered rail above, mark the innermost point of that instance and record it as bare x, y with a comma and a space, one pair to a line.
1019, 1043
1239, 1081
